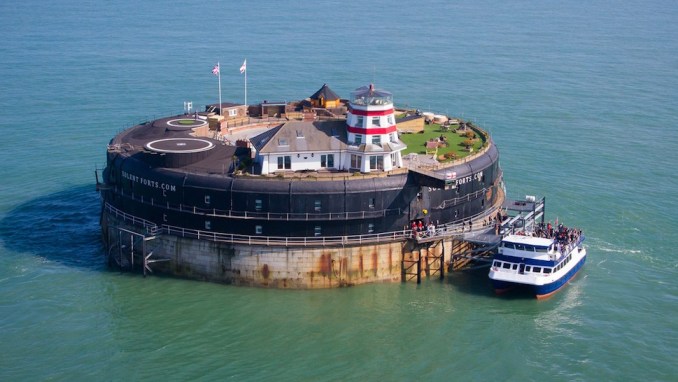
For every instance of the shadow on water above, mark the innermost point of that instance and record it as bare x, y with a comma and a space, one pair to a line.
471, 282
62, 227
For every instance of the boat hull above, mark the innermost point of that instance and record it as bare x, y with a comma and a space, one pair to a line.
540, 291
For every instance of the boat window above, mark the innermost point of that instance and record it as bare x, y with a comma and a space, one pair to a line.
496, 263
547, 270
514, 266
542, 249
536, 269
506, 265
528, 269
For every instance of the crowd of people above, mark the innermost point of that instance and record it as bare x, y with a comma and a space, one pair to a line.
561, 233
565, 238
420, 230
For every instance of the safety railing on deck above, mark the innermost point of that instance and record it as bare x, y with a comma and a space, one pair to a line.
442, 231
288, 216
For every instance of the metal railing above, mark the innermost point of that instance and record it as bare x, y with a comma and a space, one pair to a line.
285, 216
448, 230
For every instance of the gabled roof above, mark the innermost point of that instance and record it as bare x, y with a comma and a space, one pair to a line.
326, 93
259, 141
302, 136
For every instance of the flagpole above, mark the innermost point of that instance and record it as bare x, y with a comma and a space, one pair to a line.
218, 66
245, 82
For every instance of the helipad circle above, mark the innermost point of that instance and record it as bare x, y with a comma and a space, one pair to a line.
179, 145
186, 122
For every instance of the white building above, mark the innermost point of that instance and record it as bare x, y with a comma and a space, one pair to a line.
366, 141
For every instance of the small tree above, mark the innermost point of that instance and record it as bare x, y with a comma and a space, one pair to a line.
450, 155
467, 143
470, 134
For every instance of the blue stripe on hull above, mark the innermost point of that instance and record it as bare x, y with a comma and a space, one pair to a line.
541, 290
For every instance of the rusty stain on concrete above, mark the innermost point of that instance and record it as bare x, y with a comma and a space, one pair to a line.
375, 262
325, 264
390, 259
344, 265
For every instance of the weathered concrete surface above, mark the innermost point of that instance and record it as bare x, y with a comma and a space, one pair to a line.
276, 266
266, 266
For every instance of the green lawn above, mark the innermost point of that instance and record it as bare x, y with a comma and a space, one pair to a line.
416, 143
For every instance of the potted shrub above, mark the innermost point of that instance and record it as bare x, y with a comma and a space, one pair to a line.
468, 143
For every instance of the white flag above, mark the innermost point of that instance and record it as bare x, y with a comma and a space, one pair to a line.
243, 68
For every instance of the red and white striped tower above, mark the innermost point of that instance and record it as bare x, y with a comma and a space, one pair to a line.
372, 135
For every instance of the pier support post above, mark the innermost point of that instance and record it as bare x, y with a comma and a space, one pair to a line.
442, 260
419, 267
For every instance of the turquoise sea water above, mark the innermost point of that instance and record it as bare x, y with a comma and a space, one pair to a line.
580, 97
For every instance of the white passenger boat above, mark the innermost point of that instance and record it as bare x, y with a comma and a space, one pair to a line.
541, 264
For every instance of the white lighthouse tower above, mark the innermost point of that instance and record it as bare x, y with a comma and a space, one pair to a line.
372, 136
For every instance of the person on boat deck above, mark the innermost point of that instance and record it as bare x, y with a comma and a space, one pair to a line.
431, 229
420, 226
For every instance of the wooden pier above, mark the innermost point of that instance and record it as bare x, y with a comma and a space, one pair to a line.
425, 255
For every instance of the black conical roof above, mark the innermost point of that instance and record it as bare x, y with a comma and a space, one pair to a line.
326, 93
